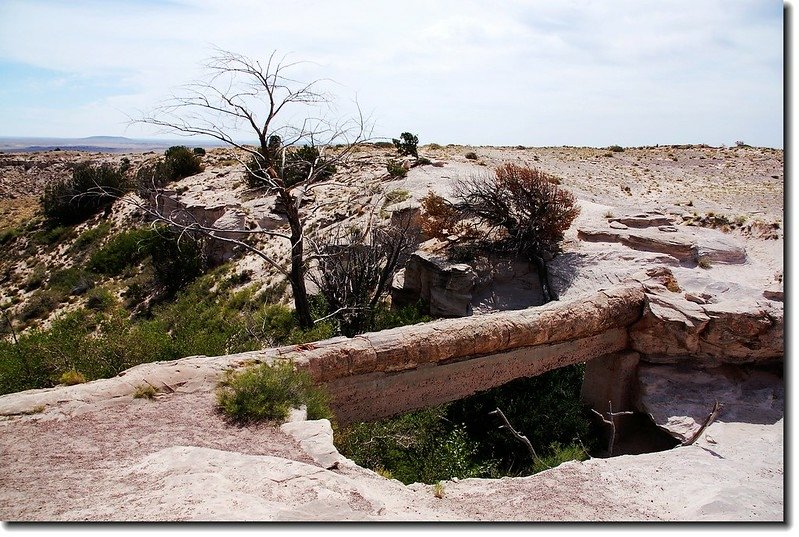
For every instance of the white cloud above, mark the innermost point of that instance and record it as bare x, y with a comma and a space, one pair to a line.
530, 72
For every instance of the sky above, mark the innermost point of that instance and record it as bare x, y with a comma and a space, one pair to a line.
534, 72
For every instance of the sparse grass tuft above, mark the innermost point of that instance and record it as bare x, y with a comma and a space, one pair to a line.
438, 490
72, 377
145, 391
704, 262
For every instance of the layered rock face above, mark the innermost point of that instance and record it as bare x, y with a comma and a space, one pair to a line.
653, 232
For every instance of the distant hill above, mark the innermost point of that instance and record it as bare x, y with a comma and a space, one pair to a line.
96, 144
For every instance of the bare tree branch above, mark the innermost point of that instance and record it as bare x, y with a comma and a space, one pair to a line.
611, 421
520, 437
710, 419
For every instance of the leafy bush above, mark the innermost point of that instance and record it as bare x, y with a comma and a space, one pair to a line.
90, 237
407, 144
99, 299
70, 281
557, 454
461, 439
268, 392
90, 190
471, 155
199, 151
124, 250
9, 235
525, 203
177, 261
182, 162
546, 409
179, 162
616, 148
41, 304
145, 391
420, 446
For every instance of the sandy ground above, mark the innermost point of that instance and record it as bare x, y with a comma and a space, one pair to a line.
175, 458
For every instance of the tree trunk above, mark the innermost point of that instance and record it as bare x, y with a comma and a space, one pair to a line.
297, 274
543, 277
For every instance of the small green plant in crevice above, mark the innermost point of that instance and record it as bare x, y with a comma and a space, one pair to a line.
268, 392
438, 490
396, 169
704, 262
145, 391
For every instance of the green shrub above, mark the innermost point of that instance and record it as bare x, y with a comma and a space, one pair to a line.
177, 260
461, 439
268, 392
407, 144
70, 281
40, 304
51, 235
199, 151
36, 278
124, 250
90, 189
99, 299
182, 162
396, 169
396, 196
90, 237
300, 163
616, 148
9, 235
383, 145
471, 155
385, 317
420, 446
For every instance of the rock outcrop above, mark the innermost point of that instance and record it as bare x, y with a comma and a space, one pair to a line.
446, 287
650, 234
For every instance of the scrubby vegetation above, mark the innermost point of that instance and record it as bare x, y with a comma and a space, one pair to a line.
268, 392
461, 439
526, 204
407, 145
91, 189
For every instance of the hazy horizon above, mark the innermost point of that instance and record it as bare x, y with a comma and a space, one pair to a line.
533, 73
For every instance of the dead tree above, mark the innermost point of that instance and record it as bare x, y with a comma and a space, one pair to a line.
356, 265
266, 102
610, 420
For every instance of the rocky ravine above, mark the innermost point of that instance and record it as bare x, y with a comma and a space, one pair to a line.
92, 452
